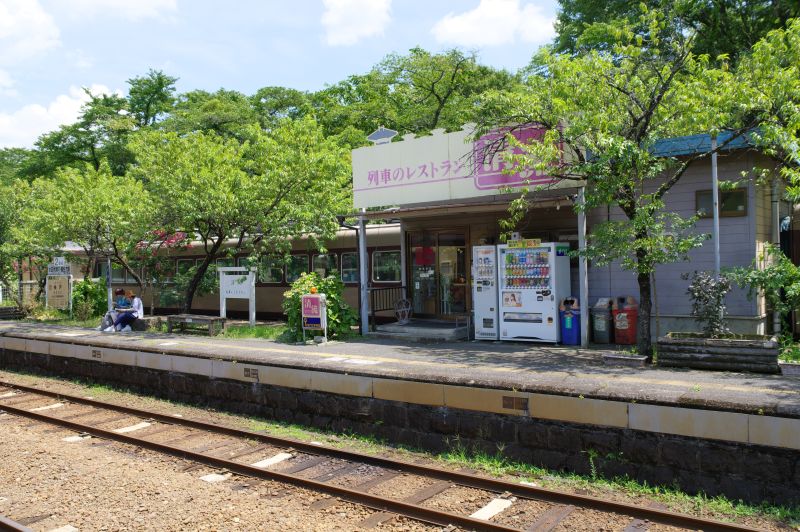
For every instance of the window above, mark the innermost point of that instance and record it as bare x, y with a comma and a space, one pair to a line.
324, 264
226, 262
731, 202
117, 274
184, 265
297, 264
349, 267
271, 270
386, 266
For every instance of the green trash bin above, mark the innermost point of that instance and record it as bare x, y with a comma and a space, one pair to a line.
602, 321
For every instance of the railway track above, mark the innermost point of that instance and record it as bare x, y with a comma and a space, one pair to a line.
7, 524
338, 474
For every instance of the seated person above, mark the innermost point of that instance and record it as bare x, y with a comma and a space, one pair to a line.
126, 318
120, 301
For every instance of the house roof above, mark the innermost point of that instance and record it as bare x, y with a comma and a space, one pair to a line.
694, 144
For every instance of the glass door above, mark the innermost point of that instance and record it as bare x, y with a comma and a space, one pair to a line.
423, 273
438, 268
452, 274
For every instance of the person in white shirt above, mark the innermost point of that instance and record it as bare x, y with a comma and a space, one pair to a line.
125, 319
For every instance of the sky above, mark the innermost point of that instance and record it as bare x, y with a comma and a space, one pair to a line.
51, 49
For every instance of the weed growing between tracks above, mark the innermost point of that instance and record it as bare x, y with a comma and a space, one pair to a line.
457, 456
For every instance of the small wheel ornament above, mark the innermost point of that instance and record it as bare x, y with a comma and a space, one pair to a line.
402, 311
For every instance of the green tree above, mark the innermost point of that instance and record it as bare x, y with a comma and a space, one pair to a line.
226, 113
605, 111
254, 196
728, 27
150, 96
103, 214
13, 163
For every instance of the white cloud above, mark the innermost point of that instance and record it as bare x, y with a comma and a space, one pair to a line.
22, 127
348, 21
127, 9
26, 30
6, 84
495, 22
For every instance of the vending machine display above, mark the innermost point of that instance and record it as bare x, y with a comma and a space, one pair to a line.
532, 280
484, 292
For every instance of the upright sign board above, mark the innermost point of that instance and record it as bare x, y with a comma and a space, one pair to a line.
58, 286
443, 167
237, 283
58, 292
314, 313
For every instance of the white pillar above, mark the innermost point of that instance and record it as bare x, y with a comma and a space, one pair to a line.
583, 271
363, 270
252, 305
109, 294
715, 204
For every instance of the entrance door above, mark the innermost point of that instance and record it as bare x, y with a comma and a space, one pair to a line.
438, 273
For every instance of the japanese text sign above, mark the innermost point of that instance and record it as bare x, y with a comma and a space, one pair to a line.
441, 167
313, 311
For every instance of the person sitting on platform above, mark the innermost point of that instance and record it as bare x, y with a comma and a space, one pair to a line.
125, 319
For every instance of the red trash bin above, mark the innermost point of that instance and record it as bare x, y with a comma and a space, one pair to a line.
626, 315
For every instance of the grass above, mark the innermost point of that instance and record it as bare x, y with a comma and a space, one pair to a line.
459, 456
276, 331
790, 352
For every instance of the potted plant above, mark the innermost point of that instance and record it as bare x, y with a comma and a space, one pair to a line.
716, 348
779, 282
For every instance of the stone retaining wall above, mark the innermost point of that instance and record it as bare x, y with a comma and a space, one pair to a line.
739, 471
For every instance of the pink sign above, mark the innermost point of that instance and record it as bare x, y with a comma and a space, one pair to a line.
493, 171
312, 307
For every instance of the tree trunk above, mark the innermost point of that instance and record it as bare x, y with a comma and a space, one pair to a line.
643, 338
198, 275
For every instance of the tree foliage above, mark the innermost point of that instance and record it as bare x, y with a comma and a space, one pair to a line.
605, 112
721, 27
258, 194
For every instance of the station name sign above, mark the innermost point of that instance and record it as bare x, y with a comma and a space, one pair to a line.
441, 167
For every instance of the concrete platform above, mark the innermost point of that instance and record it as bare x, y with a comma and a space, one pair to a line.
422, 331
545, 404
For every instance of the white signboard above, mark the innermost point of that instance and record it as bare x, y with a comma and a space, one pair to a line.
237, 283
59, 266
58, 292
440, 167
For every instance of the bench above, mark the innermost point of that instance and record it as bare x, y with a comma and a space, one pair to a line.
215, 324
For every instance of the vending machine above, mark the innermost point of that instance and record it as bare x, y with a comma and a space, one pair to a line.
533, 279
484, 292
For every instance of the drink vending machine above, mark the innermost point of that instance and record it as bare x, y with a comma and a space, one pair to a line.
533, 278
484, 292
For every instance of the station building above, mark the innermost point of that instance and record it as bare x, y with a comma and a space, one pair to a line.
447, 203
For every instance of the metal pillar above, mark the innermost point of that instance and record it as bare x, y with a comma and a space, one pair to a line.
363, 269
403, 257
776, 239
715, 203
583, 270
109, 294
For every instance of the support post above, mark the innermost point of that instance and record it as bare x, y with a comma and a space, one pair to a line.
776, 239
109, 293
715, 203
583, 270
252, 305
363, 269
403, 258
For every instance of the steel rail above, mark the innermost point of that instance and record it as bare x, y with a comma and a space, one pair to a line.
665, 517
7, 524
385, 504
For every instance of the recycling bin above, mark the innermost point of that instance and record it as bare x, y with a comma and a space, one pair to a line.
570, 317
602, 321
626, 315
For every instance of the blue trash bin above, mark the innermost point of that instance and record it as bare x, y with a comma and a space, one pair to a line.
570, 317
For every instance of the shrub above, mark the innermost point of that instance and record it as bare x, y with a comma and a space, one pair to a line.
340, 316
707, 293
90, 296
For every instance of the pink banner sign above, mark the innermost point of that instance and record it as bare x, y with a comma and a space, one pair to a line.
312, 306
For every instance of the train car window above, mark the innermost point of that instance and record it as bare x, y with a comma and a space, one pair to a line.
117, 274
227, 262
183, 266
297, 264
324, 264
349, 267
386, 266
270, 271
